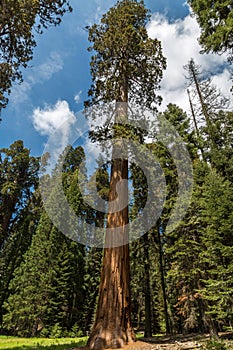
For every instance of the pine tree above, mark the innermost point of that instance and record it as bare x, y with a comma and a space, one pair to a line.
193, 251
19, 210
31, 288
207, 102
127, 66
182, 251
212, 120
18, 177
93, 262
217, 205
179, 119
47, 289
144, 260
16, 246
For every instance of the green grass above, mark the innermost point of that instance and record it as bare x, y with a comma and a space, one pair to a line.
16, 343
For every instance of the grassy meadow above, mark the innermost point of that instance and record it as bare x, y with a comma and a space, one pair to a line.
16, 343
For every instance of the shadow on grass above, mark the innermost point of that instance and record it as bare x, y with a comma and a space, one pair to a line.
67, 346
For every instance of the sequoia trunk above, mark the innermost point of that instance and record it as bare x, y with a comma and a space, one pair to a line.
112, 327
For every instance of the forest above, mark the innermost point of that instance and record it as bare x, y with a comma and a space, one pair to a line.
165, 281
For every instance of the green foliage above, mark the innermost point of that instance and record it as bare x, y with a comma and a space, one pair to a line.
144, 259
217, 209
125, 56
211, 118
19, 22
200, 254
91, 285
47, 289
19, 210
75, 332
56, 331
216, 21
18, 177
215, 345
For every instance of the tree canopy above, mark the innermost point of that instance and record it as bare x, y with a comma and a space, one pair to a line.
19, 21
124, 54
216, 21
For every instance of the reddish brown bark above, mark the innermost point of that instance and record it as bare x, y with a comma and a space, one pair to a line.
112, 327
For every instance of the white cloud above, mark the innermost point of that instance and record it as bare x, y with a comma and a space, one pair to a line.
180, 43
52, 65
37, 75
49, 119
77, 97
56, 122
223, 81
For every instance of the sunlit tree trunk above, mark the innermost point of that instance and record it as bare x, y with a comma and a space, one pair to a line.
112, 327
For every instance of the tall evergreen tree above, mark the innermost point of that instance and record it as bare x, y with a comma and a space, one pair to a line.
207, 103
186, 269
217, 209
47, 289
19, 210
126, 66
179, 119
18, 177
94, 255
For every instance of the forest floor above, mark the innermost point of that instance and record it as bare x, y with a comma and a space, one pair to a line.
178, 342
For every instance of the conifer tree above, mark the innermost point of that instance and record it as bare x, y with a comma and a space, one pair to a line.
19, 210
18, 177
217, 209
207, 102
183, 249
126, 66
94, 255
47, 289
144, 261
212, 119
215, 20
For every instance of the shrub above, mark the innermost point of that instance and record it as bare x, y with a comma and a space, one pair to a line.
215, 345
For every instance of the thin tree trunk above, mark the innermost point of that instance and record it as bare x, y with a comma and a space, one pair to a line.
203, 106
147, 294
196, 127
206, 316
112, 327
161, 268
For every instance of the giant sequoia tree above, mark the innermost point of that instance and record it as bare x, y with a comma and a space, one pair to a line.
126, 66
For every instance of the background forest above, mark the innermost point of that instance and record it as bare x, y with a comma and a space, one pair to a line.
181, 282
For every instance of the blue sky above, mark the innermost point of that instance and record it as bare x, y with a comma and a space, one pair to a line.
56, 83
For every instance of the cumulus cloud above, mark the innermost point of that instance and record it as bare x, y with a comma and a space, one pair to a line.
49, 119
37, 75
56, 122
180, 43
